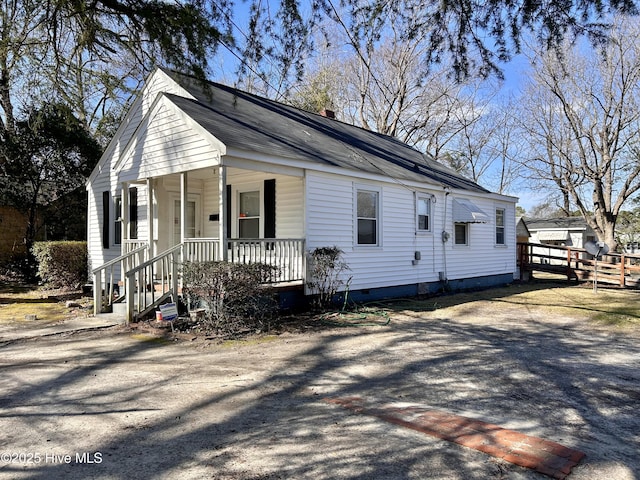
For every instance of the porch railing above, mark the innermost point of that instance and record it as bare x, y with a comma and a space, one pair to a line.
106, 288
129, 246
151, 282
154, 280
285, 254
201, 249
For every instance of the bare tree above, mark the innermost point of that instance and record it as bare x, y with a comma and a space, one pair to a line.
582, 118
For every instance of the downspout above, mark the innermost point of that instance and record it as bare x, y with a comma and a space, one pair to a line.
445, 237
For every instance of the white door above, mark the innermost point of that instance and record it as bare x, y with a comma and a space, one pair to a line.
192, 218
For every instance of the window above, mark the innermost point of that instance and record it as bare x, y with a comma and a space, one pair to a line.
367, 211
461, 234
423, 210
249, 215
500, 226
117, 223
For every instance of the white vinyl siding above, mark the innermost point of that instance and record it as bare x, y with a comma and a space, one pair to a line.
332, 222
104, 178
480, 257
165, 145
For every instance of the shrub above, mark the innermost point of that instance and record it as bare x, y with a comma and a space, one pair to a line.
234, 296
326, 268
61, 264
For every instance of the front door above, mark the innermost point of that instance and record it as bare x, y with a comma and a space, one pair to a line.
192, 219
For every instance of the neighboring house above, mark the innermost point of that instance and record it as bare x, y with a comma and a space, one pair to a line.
566, 232
563, 231
204, 171
13, 227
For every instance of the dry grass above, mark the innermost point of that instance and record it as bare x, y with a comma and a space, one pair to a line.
607, 307
18, 301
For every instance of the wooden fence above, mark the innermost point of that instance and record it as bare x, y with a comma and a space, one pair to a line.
577, 264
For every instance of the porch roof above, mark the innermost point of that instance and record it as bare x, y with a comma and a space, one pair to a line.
245, 121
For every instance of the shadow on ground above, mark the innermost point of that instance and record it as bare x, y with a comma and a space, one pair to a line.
159, 410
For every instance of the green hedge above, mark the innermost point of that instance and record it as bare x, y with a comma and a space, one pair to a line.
62, 264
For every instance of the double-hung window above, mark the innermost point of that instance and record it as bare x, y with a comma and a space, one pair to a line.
249, 216
368, 217
423, 212
500, 240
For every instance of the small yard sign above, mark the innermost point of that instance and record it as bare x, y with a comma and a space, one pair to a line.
169, 311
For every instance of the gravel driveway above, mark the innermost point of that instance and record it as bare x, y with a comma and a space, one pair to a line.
116, 405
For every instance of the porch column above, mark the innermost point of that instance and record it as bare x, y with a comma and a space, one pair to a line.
184, 197
222, 205
150, 219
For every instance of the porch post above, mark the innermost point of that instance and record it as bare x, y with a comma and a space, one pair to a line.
124, 228
150, 219
184, 197
222, 205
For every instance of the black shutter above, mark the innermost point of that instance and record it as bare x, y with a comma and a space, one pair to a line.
270, 208
133, 213
228, 211
106, 204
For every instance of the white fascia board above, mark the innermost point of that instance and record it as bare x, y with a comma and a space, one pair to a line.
108, 152
163, 101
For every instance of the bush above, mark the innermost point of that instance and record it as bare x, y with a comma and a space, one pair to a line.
61, 264
326, 268
234, 296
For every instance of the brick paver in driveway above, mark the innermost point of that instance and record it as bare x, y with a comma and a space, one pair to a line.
544, 456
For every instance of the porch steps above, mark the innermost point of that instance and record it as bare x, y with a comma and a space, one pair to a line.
119, 307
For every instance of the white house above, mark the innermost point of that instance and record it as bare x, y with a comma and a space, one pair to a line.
203, 171
563, 231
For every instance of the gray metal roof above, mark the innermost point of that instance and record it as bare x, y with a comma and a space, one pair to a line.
249, 122
564, 223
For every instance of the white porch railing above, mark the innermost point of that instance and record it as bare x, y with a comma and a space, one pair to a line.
201, 249
106, 281
151, 282
286, 254
129, 246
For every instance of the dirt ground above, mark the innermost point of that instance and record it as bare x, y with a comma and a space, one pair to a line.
130, 404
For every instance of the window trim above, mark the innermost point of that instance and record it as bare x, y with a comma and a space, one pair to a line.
117, 221
378, 228
429, 200
502, 226
246, 188
467, 232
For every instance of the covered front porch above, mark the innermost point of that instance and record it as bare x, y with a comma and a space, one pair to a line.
219, 213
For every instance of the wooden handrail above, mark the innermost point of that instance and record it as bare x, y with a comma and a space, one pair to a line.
103, 297
578, 263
